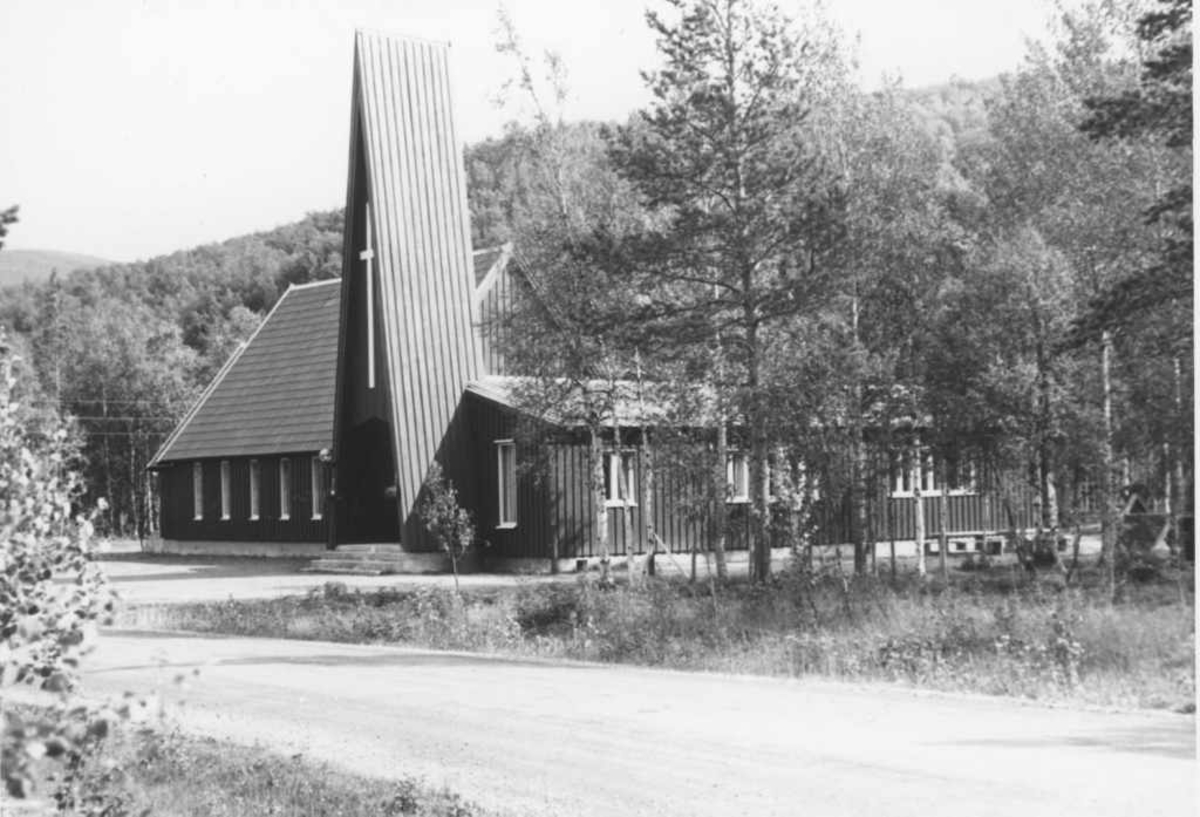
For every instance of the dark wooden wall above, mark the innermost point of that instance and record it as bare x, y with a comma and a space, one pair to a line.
555, 512
970, 513
175, 483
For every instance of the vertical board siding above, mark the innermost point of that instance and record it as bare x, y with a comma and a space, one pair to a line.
970, 514
415, 182
495, 307
175, 482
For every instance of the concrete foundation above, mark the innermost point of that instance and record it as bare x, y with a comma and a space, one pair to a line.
481, 562
201, 547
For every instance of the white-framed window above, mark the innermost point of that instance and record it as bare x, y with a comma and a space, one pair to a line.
197, 491
620, 478
255, 479
920, 469
226, 498
737, 477
960, 477
927, 475
317, 477
285, 488
506, 483
787, 480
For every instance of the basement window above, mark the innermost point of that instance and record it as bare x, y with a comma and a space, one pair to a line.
255, 477
318, 487
506, 482
225, 491
197, 491
620, 479
285, 488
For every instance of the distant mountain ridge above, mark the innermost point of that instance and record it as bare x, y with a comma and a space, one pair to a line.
35, 266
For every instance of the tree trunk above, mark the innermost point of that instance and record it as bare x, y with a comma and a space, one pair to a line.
919, 524
1176, 481
761, 510
943, 521
1108, 541
600, 526
720, 489
621, 487
647, 493
890, 522
148, 477
858, 468
760, 547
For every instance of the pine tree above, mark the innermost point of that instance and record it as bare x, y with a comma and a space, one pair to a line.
745, 213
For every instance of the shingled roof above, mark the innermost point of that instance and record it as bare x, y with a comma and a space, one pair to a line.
276, 394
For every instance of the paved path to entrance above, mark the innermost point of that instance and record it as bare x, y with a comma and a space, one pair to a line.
575, 739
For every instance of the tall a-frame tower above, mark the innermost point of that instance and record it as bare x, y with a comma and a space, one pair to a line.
407, 346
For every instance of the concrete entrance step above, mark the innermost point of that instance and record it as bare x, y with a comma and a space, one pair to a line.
370, 548
378, 560
362, 567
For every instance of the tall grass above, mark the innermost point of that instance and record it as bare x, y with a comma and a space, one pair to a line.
989, 634
136, 772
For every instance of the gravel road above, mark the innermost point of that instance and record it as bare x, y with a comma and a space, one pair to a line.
530, 737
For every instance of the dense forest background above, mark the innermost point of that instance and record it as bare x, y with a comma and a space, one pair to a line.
1011, 221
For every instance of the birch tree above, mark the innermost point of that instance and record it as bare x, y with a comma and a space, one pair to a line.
563, 331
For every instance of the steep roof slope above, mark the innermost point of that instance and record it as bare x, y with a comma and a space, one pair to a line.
276, 394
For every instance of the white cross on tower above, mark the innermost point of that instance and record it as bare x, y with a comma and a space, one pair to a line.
367, 255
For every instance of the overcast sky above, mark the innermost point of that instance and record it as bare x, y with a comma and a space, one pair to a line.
133, 128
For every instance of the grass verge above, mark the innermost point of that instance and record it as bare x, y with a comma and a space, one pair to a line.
987, 632
153, 771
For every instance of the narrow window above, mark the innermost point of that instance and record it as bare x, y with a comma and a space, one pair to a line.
285, 488
960, 476
254, 479
197, 491
225, 490
737, 477
903, 482
506, 481
620, 478
318, 487
927, 476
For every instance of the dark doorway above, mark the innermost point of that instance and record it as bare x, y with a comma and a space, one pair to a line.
366, 477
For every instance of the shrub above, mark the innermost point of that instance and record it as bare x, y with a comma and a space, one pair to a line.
45, 626
448, 523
